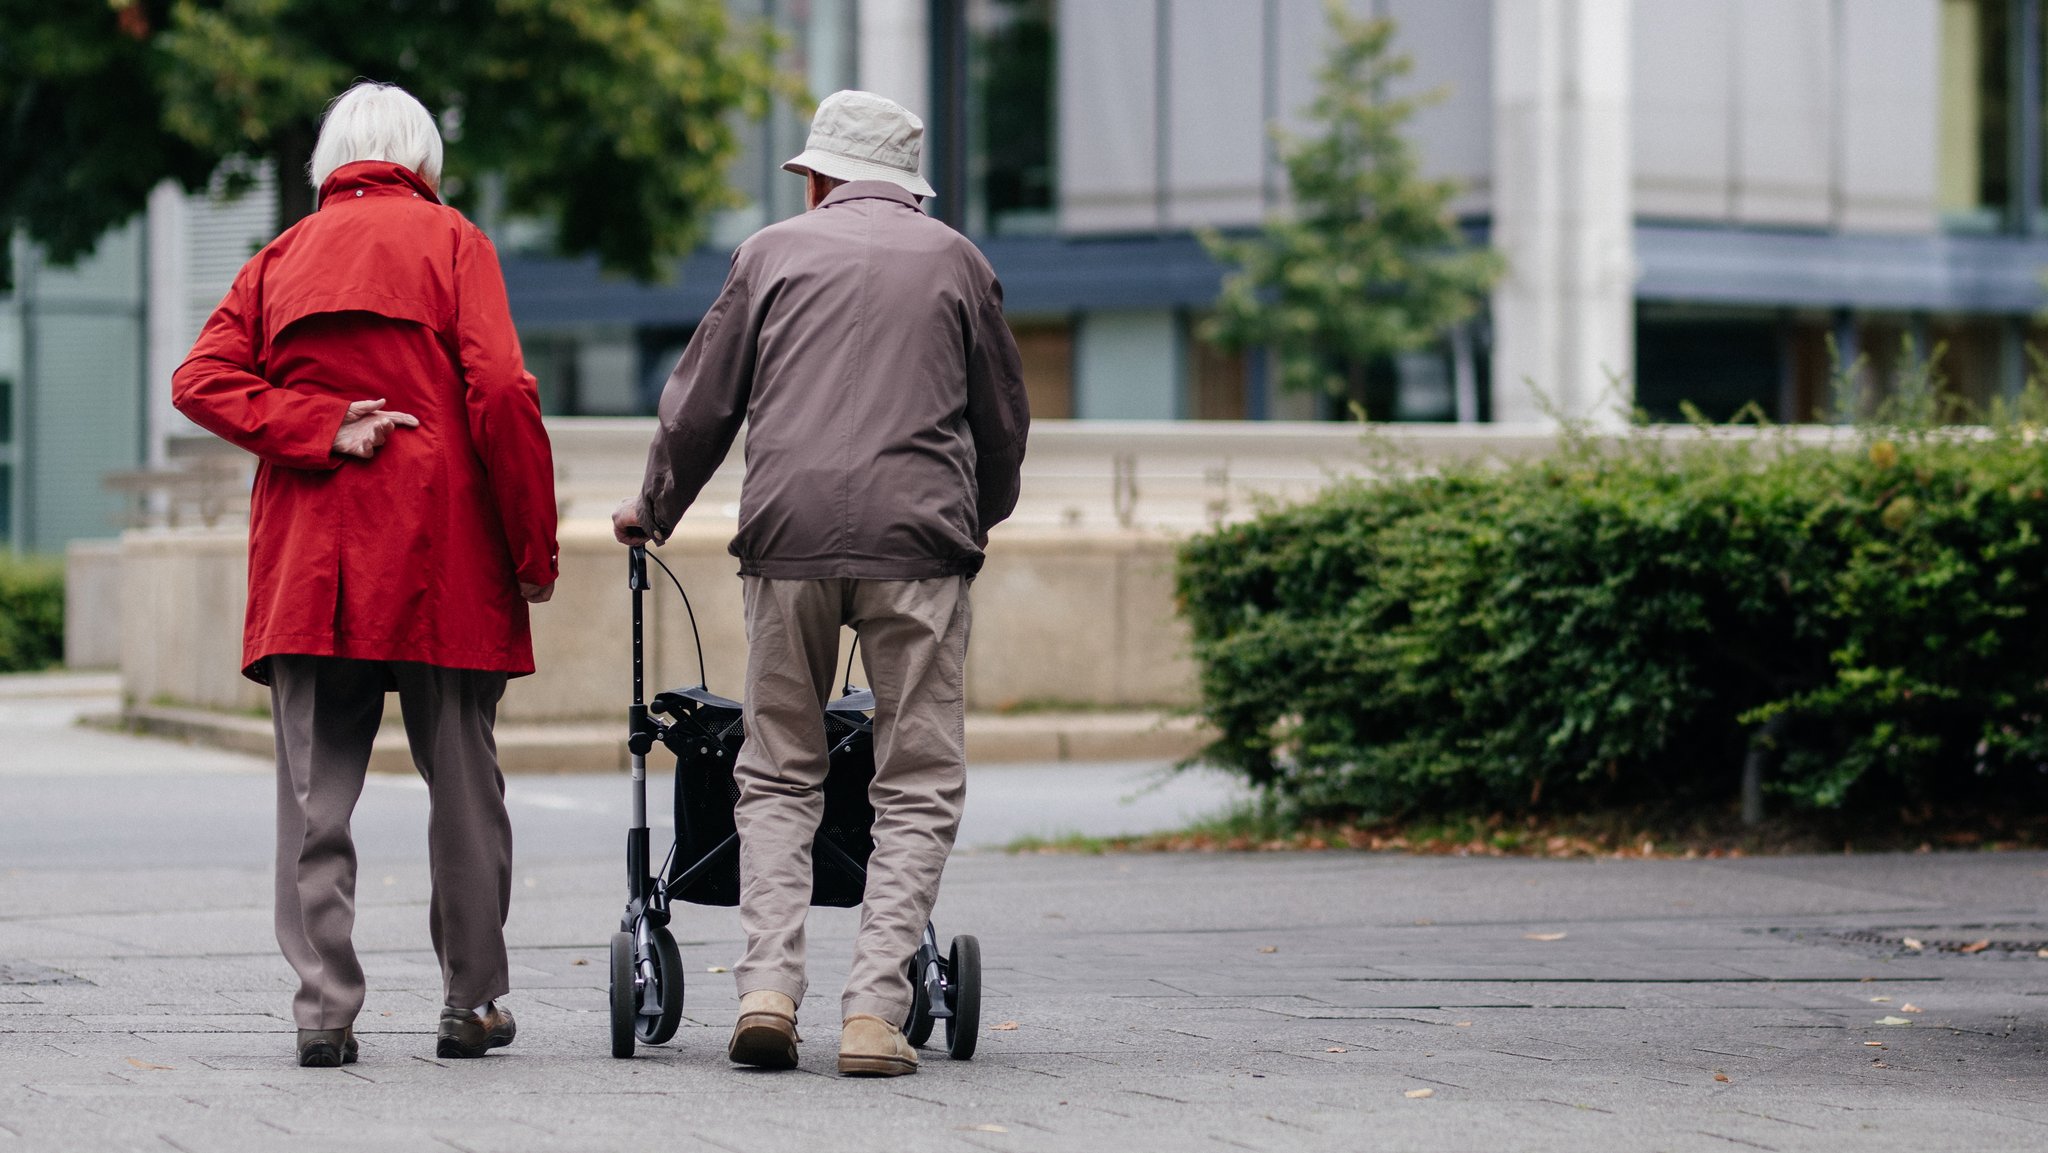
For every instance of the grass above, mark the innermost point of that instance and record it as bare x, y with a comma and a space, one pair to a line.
1640, 834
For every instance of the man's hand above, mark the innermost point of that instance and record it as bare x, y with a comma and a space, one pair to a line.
627, 525
365, 429
536, 594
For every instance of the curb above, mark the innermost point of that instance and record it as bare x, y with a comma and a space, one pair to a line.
597, 748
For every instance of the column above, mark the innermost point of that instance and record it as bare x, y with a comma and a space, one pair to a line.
1563, 315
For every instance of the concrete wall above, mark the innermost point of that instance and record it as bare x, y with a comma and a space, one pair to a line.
1062, 617
92, 598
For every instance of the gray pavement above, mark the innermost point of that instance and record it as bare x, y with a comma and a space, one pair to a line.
1261, 1001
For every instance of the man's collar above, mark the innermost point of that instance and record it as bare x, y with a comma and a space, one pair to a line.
871, 190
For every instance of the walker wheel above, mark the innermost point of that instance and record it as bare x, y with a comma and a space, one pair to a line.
963, 996
623, 998
918, 1028
660, 1007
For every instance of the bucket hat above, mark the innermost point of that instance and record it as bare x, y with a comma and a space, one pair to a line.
862, 136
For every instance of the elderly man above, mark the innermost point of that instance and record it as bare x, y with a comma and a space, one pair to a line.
864, 345
389, 547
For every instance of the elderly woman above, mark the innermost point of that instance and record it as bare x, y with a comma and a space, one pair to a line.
403, 519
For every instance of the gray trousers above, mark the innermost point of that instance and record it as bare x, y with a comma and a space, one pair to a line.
914, 643
326, 710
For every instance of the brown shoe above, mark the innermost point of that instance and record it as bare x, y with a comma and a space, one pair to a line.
872, 1047
327, 1048
467, 1033
765, 1035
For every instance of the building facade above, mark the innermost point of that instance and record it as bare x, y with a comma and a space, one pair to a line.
1705, 203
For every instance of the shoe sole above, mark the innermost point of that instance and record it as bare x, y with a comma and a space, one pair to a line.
451, 1048
320, 1056
876, 1066
763, 1045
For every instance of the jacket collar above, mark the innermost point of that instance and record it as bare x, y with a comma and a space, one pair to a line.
375, 178
871, 190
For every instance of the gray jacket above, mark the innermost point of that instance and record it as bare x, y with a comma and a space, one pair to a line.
864, 345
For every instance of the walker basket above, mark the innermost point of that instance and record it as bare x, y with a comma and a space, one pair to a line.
705, 732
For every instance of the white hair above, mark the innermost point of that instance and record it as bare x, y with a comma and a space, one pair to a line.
374, 121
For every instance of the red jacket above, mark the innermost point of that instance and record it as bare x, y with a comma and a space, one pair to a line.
416, 554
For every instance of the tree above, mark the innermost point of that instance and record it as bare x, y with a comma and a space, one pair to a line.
612, 118
1370, 263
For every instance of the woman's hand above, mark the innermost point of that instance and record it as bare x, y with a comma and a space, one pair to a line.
365, 429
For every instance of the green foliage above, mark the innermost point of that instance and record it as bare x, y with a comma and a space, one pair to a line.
614, 118
1617, 624
79, 146
1370, 263
31, 614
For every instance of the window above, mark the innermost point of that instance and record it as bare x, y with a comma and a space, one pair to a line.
1010, 121
6, 412
1976, 110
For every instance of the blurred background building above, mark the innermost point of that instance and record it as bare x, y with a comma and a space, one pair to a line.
1693, 197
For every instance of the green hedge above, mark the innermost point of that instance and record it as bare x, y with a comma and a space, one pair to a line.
31, 614
1618, 624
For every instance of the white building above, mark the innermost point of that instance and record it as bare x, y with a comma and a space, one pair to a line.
1693, 197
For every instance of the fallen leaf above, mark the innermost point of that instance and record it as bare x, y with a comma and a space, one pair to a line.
1005, 1027
1880, 1000
1893, 1021
984, 1129
1721, 1077
1909, 1007
1543, 936
1336, 1049
1419, 1094
2042, 954
1425, 922
391, 880
1877, 1063
1913, 943
1461, 1024
579, 961
1269, 948
145, 1064
386, 1013
1874, 1044
1976, 946
718, 969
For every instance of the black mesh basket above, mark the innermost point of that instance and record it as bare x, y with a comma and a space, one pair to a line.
705, 734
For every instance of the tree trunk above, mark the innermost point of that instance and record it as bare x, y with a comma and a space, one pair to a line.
294, 153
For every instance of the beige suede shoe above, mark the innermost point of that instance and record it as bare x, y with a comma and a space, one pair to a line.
765, 1035
872, 1047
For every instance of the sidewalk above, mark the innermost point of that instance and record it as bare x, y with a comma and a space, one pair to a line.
1284, 1002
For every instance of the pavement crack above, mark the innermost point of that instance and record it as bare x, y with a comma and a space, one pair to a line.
1779, 1120
1574, 1105
1738, 1141
1156, 1096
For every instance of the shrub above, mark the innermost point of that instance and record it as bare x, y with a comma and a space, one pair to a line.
31, 614
1620, 623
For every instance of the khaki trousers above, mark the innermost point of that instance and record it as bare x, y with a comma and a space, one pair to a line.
326, 711
913, 638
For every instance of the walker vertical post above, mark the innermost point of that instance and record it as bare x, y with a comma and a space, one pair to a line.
639, 740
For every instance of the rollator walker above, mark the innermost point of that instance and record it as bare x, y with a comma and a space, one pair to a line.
704, 732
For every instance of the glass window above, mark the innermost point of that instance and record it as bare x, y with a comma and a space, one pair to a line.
1010, 126
1976, 114
6, 411
6, 502
1717, 364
